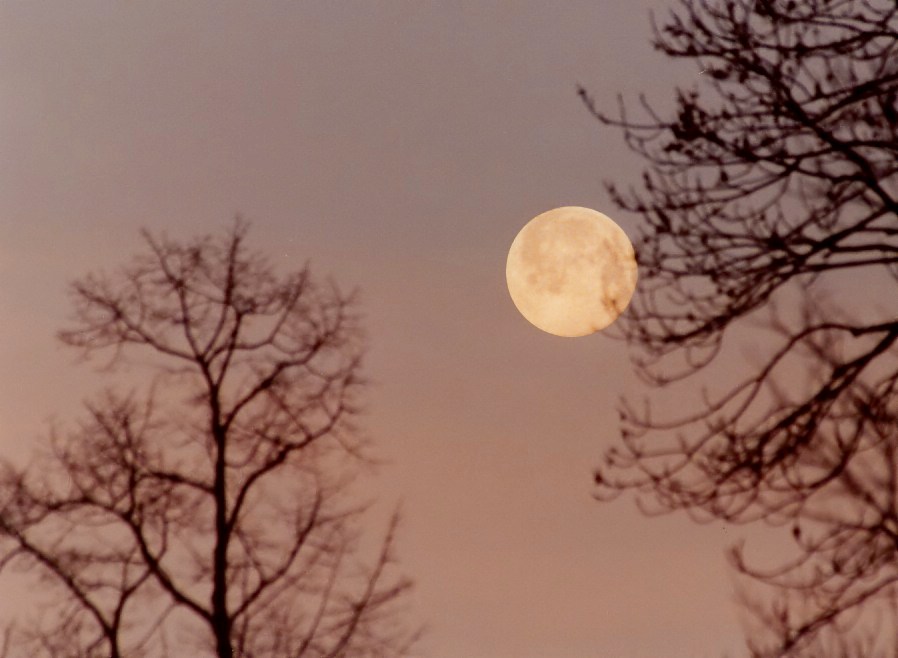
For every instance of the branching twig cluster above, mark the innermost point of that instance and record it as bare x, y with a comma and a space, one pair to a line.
775, 179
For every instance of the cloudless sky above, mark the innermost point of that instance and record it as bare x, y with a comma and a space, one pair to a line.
400, 146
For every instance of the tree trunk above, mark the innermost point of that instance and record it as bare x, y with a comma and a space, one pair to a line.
221, 623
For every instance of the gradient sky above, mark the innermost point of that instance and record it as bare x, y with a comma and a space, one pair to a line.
400, 146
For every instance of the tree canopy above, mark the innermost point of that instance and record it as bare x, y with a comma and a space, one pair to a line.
208, 512
770, 195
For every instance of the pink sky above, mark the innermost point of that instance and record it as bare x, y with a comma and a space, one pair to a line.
401, 146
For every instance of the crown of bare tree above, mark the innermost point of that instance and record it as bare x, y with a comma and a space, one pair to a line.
208, 514
771, 193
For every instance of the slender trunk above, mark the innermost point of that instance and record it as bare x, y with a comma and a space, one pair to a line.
221, 623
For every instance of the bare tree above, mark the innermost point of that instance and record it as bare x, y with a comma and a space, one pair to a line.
209, 513
770, 191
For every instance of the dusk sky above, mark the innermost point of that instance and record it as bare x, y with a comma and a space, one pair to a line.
399, 146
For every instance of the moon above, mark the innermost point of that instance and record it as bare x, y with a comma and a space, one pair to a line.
571, 271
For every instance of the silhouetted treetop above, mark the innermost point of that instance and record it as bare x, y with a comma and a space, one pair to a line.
210, 512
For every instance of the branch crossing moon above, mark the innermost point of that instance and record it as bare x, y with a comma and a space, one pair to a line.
571, 271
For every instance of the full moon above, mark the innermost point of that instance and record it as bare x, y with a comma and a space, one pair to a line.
571, 271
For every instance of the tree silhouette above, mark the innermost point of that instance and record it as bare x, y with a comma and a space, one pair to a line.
209, 513
770, 196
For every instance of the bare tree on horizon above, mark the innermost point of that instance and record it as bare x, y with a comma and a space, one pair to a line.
773, 184
211, 511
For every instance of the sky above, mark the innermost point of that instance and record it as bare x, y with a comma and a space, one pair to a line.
399, 146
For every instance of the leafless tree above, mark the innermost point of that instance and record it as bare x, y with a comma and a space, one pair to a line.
770, 195
210, 512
